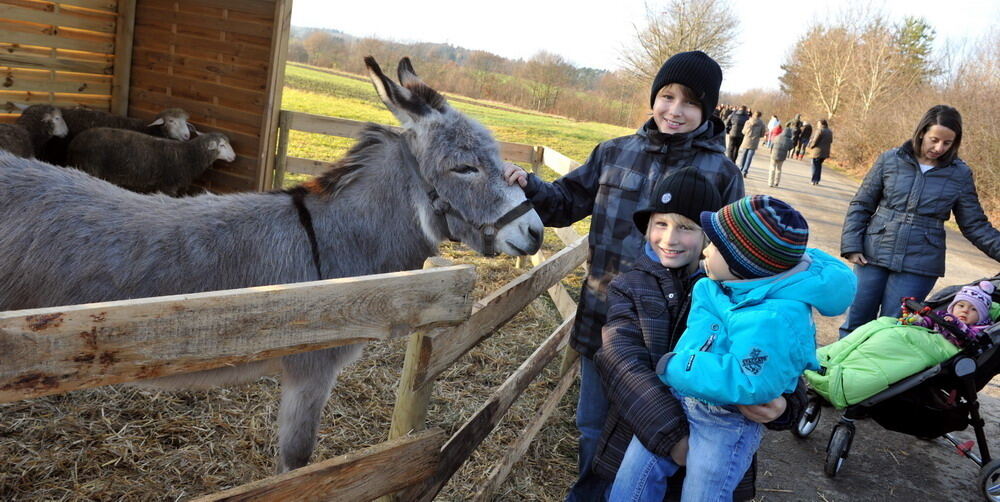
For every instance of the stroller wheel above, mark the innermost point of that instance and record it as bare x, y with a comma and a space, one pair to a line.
809, 420
989, 480
838, 447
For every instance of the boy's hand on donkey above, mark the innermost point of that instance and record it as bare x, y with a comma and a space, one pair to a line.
514, 174
679, 451
764, 413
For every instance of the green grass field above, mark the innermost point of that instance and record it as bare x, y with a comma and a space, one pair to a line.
312, 91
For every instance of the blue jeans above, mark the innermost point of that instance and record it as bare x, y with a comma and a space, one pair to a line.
879, 293
745, 160
642, 476
817, 171
591, 410
721, 446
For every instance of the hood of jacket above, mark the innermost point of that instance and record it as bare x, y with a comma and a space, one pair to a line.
819, 280
708, 136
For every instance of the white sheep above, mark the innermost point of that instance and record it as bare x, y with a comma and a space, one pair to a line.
144, 163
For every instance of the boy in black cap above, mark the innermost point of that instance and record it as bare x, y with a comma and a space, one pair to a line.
617, 179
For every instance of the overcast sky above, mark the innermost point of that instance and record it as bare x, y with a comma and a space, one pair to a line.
593, 33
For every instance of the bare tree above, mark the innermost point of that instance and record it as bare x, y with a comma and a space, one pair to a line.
820, 67
547, 75
682, 25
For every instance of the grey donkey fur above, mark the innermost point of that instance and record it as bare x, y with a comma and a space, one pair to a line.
43, 123
144, 163
90, 241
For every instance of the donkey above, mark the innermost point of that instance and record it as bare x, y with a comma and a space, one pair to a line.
68, 238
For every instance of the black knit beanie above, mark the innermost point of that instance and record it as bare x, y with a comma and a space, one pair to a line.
685, 192
695, 70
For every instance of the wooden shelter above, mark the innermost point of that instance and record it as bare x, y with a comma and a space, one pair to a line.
220, 60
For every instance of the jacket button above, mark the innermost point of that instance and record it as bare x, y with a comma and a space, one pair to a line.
715, 327
670, 296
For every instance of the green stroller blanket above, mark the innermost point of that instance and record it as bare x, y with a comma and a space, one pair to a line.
873, 357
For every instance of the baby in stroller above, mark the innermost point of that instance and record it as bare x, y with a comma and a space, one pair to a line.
887, 350
909, 378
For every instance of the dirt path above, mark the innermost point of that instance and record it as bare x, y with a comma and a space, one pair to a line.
882, 465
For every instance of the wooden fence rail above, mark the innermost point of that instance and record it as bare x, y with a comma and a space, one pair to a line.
54, 350
361, 475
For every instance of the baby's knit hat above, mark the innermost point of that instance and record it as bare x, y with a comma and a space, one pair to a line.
695, 70
979, 296
685, 192
759, 236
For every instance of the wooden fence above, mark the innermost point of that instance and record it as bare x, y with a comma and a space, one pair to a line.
60, 349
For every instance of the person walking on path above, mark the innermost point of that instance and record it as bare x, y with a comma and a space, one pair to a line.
753, 130
771, 124
894, 228
782, 146
805, 135
618, 178
734, 131
819, 149
772, 136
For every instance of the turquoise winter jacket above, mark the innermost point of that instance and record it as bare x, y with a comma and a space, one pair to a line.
748, 341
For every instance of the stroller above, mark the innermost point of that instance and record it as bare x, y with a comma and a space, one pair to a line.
931, 403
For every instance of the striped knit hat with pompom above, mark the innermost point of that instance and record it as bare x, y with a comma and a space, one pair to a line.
758, 236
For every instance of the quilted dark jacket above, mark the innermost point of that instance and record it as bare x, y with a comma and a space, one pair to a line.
617, 179
647, 312
897, 217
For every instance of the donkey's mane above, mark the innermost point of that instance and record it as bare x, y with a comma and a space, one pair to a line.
344, 171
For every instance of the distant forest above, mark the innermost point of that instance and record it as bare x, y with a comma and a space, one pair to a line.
545, 82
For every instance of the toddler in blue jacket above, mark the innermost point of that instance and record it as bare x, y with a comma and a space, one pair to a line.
750, 334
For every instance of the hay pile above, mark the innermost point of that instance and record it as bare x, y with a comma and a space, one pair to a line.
120, 443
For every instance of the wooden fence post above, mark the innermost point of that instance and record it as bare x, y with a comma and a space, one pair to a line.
281, 156
409, 414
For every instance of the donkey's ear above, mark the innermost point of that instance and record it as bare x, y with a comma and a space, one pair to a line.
399, 100
411, 81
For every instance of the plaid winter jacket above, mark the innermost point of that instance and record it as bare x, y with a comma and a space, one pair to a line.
616, 180
647, 312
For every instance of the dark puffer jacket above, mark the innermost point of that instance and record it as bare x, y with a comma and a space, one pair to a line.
647, 312
735, 123
897, 217
617, 179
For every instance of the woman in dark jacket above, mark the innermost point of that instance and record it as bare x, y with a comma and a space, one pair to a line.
894, 228
647, 312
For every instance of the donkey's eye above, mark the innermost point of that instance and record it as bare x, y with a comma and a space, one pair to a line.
465, 169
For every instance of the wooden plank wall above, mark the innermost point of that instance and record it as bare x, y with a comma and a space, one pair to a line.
59, 52
212, 58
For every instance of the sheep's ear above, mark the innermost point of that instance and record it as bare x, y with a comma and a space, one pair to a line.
194, 132
213, 144
158, 121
